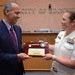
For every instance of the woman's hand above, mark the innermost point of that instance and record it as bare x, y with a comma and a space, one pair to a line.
48, 56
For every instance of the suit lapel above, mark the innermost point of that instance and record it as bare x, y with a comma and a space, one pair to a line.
6, 32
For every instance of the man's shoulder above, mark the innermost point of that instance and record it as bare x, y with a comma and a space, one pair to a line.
1, 23
17, 27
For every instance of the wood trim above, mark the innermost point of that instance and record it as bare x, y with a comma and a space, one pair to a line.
36, 63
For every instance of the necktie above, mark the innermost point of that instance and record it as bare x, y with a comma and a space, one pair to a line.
14, 39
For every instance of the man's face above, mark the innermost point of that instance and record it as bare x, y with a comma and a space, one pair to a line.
66, 23
13, 15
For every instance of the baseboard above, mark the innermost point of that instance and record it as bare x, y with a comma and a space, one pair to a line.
44, 70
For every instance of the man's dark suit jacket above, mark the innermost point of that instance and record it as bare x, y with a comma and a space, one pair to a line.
9, 64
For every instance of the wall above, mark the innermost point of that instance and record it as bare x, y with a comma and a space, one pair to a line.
37, 14
2, 2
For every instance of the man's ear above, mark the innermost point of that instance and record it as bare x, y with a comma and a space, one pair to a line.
7, 11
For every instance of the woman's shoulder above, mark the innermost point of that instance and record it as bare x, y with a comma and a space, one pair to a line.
61, 32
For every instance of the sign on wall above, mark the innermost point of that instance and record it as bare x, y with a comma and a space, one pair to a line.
43, 14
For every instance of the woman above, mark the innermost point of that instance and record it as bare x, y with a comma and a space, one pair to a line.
64, 48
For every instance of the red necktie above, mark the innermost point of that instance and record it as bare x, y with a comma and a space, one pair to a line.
14, 39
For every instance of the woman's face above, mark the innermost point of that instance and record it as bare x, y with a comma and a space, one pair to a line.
66, 23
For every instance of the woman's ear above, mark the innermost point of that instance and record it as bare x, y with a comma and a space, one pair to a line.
73, 22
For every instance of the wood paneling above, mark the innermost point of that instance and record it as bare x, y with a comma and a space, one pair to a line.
37, 63
2, 2
1, 12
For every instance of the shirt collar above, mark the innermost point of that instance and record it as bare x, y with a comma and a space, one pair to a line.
7, 25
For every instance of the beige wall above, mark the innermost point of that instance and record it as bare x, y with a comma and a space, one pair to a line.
36, 14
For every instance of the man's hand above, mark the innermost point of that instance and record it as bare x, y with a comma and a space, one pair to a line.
23, 56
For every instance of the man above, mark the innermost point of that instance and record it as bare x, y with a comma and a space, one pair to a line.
11, 52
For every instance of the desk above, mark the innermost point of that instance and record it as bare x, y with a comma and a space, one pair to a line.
37, 63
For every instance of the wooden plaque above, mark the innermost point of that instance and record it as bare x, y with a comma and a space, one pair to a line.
36, 48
